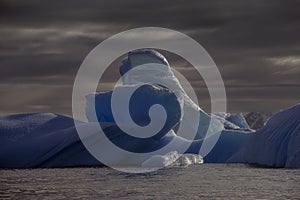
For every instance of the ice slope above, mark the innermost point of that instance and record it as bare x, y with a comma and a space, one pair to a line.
277, 144
41, 140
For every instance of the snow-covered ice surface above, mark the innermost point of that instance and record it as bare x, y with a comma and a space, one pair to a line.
51, 140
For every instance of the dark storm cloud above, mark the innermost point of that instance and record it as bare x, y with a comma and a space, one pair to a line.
255, 44
113, 12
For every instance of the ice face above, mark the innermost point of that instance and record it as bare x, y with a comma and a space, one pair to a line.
277, 143
140, 102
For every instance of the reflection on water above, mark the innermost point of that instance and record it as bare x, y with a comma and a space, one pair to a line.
196, 181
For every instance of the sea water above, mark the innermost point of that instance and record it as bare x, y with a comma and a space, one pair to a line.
202, 181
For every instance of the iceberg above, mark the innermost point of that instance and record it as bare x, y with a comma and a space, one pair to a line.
41, 140
51, 140
276, 144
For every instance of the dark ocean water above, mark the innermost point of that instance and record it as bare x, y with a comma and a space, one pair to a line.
205, 181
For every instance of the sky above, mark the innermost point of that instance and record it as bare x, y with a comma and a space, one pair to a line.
255, 44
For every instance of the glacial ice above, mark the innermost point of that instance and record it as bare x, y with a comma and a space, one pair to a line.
51, 140
277, 144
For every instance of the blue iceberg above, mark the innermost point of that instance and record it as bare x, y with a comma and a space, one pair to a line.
51, 140
277, 144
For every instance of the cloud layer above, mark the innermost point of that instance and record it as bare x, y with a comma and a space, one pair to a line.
255, 44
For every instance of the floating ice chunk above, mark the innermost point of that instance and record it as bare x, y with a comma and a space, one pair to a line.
172, 158
189, 159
